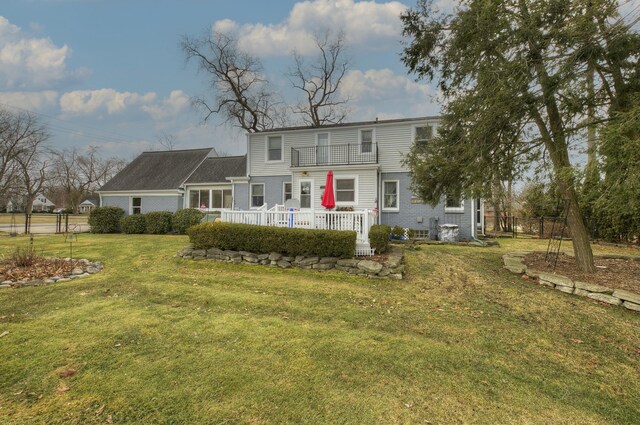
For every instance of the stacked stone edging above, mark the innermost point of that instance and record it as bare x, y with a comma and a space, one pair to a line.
391, 268
514, 262
84, 268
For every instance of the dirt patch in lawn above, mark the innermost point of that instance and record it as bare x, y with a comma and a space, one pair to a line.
614, 273
41, 268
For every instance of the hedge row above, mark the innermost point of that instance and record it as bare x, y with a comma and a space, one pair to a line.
114, 220
265, 239
379, 237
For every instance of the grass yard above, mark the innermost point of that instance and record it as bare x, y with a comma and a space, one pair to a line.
40, 218
154, 339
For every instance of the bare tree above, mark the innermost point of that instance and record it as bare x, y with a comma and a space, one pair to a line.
167, 140
33, 169
79, 174
320, 80
21, 135
242, 93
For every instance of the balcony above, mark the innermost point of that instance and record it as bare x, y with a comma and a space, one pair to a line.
349, 154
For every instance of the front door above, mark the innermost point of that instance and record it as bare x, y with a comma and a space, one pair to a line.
306, 193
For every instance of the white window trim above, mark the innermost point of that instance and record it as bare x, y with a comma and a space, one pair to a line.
459, 209
266, 149
312, 201
397, 182
373, 140
131, 204
264, 195
328, 137
284, 191
415, 130
356, 185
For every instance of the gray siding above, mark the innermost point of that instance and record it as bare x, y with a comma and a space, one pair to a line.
272, 188
116, 201
409, 214
161, 203
241, 196
149, 203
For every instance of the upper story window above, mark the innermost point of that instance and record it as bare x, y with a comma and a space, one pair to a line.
346, 190
274, 148
423, 133
366, 141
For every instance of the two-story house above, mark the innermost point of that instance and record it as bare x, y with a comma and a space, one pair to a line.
367, 163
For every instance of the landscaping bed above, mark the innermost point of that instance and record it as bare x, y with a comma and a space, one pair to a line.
612, 271
43, 270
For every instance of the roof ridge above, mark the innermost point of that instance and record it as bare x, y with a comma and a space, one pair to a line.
179, 150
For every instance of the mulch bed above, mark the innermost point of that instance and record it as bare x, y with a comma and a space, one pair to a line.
42, 268
612, 273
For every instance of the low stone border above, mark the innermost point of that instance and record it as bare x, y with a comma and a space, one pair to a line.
84, 268
514, 262
392, 268
479, 243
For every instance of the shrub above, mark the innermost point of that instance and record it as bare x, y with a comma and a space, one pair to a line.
265, 239
379, 237
183, 219
26, 257
105, 220
397, 232
158, 222
133, 224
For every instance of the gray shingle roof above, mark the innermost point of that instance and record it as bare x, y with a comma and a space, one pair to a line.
214, 170
160, 170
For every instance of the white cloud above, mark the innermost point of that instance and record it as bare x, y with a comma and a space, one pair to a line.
384, 94
365, 24
86, 102
176, 103
29, 61
33, 101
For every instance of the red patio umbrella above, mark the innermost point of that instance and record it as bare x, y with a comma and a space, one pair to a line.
328, 200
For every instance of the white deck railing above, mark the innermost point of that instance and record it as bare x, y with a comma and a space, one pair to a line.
358, 221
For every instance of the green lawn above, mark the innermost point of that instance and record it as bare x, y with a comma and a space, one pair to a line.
155, 339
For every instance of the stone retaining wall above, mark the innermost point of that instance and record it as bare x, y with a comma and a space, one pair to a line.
389, 268
84, 268
514, 262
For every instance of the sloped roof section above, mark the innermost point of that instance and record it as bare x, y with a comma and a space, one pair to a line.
161, 170
216, 170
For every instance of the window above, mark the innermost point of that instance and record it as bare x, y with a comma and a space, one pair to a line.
390, 195
274, 148
136, 205
454, 204
423, 133
287, 189
366, 141
257, 195
306, 189
345, 190
221, 198
199, 199
322, 148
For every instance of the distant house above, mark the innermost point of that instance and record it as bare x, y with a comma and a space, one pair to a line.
89, 203
40, 204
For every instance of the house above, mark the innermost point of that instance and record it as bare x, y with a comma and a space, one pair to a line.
88, 204
172, 180
40, 204
367, 163
366, 159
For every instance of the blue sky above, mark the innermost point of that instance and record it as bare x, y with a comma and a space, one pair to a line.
110, 73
